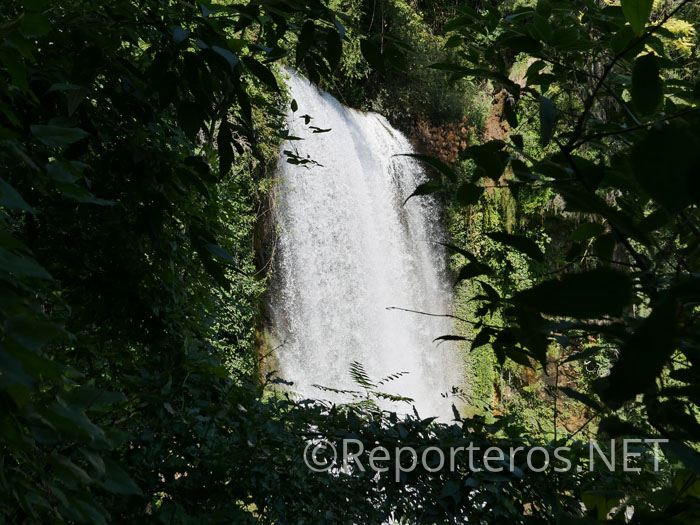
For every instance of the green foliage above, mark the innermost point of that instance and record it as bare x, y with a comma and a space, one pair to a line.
133, 144
637, 13
617, 146
384, 63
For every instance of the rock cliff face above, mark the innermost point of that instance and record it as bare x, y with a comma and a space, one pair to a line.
448, 140
445, 141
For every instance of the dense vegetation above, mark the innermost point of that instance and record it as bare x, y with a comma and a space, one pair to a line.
136, 146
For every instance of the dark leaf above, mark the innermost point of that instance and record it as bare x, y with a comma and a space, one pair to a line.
517, 355
586, 231
490, 159
58, 137
583, 354
471, 270
214, 269
9, 198
89, 397
180, 34
262, 72
518, 141
588, 294
118, 481
372, 54
548, 116
425, 189
395, 58
490, 291
583, 398
22, 265
689, 457
449, 489
643, 357
334, 49
224, 143
482, 338
443, 338
664, 164
306, 40
465, 253
433, 162
191, 116
521, 44
15, 66
217, 250
444, 66
228, 55
647, 87
469, 194
613, 426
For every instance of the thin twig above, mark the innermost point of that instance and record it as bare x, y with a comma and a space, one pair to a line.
583, 426
475, 323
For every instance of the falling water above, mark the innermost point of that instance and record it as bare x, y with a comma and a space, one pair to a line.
348, 248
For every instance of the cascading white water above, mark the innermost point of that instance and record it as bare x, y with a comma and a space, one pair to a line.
347, 249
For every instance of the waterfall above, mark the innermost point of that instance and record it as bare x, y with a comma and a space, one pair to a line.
347, 248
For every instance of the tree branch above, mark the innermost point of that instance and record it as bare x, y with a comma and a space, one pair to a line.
641, 263
588, 106
475, 323
633, 128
